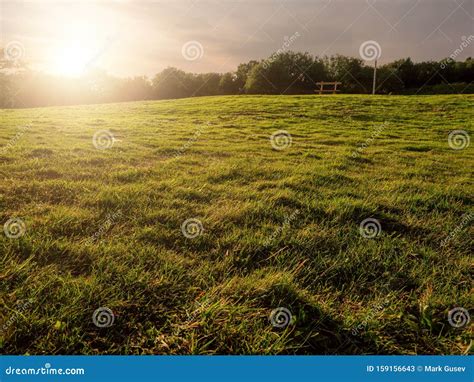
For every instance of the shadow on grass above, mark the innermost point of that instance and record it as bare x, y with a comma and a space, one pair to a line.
314, 331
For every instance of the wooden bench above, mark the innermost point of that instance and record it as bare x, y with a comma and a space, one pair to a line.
321, 89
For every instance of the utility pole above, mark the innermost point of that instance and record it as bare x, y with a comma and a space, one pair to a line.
375, 77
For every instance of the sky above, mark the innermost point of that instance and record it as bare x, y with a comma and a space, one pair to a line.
142, 37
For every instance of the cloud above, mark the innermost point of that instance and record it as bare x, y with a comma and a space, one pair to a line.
151, 33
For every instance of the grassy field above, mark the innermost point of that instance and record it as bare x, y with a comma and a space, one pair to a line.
104, 223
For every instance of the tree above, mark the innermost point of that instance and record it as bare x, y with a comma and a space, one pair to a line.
136, 88
242, 73
286, 73
229, 84
206, 84
354, 75
171, 83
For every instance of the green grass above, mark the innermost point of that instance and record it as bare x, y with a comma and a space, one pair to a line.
280, 227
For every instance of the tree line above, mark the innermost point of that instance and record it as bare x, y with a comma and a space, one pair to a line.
282, 73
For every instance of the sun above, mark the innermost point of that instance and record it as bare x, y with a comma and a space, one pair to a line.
72, 59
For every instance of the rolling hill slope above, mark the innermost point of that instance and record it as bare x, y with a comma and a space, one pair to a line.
253, 224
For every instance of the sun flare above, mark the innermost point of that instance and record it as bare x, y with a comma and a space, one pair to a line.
72, 60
